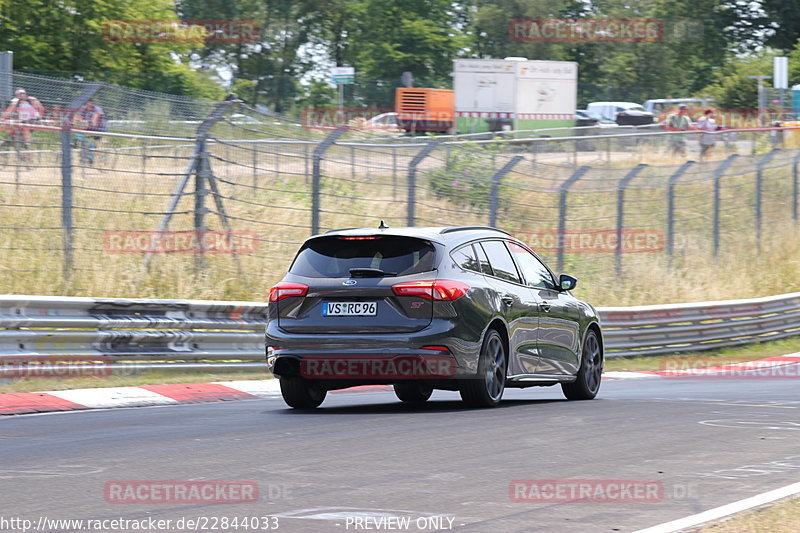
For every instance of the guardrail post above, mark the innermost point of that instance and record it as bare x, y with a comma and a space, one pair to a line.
632, 173
673, 181
316, 174
66, 174
563, 189
412, 178
494, 191
759, 192
717, 187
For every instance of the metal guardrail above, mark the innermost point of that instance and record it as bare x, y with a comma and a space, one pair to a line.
198, 330
131, 328
661, 329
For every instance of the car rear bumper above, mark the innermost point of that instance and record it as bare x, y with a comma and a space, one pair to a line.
431, 353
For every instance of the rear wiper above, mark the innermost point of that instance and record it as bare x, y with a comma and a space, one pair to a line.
369, 273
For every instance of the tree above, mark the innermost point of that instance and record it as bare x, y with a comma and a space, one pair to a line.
70, 38
772, 23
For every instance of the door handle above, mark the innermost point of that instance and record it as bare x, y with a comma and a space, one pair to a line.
509, 301
545, 306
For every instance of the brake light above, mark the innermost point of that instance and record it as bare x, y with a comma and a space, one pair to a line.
440, 290
359, 238
287, 289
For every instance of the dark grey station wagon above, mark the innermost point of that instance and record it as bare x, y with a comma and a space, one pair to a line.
468, 309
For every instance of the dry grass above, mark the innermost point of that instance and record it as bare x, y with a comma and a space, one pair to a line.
783, 517
268, 192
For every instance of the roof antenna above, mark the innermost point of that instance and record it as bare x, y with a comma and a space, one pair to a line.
383, 225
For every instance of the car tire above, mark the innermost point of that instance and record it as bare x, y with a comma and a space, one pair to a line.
486, 389
413, 392
301, 393
587, 384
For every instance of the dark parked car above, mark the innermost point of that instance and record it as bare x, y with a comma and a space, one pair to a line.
456, 308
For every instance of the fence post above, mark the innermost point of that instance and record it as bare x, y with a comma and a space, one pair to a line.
563, 189
759, 192
255, 166
66, 197
352, 162
144, 163
305, 163
412, 178
6, 75
394, 173
316, 174
494, 191
717, 187
673, 181
795, 190
623, 184
201, 170
200, 192
66, 174
203, 177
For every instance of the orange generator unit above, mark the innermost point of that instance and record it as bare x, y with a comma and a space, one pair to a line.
425, 109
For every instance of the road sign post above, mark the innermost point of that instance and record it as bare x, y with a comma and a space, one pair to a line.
341, 76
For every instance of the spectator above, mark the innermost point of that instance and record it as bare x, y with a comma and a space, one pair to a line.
23, 110
776, 135
679, 121
707, 140
93, 118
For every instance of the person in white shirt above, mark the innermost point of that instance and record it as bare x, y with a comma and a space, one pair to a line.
707, 140
23, 110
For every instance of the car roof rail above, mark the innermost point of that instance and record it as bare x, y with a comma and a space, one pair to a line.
339, 229
453, 229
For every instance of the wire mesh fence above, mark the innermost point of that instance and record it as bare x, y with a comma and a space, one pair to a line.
212, 199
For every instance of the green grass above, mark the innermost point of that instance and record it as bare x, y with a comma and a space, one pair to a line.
722, 356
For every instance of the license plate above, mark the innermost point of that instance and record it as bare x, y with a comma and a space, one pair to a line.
349, 308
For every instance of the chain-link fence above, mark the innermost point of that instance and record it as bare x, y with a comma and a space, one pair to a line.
212, 199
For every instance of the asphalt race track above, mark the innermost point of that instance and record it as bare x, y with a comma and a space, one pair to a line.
363, 455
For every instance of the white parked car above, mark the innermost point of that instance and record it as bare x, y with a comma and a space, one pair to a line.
610, 110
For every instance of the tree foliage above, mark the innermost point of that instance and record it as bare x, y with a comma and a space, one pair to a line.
68, 37
704, 45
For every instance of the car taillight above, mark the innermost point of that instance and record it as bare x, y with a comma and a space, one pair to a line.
286, 289
441, 290
359, 238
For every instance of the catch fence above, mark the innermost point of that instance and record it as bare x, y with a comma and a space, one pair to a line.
212, 199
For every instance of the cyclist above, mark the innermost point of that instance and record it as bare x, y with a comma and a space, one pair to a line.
93, 118
89, 117
24, 109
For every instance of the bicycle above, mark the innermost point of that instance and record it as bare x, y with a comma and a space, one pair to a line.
12, 146
86, 148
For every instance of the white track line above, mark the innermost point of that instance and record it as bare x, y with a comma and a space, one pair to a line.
724, 511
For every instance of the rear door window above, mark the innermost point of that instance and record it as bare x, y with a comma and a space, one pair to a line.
501, 261
483, 260
335, 256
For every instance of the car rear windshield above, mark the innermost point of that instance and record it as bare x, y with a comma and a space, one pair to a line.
334, 257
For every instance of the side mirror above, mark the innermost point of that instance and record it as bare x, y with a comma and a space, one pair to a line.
566, 282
